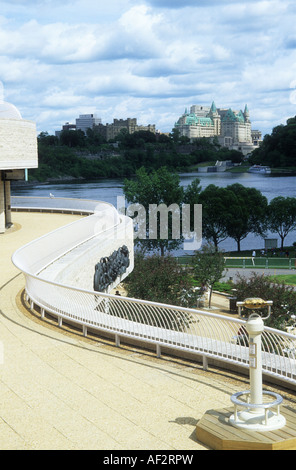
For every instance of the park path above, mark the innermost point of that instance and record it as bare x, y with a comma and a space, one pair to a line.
247, 272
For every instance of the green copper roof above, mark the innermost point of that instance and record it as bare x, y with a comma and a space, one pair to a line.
229, 116
240, 117
193, 120
213, 108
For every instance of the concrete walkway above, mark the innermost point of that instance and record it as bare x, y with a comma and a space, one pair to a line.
59, 390
248, 272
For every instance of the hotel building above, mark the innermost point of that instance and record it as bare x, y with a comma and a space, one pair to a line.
232, 128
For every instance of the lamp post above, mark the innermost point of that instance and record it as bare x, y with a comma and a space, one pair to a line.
256, 415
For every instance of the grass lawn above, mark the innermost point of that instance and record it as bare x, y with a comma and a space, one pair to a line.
276, 259
287, 278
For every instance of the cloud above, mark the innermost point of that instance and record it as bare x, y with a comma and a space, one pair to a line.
177, 4
132, 36
147, 59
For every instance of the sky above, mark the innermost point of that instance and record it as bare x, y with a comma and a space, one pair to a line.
147, 59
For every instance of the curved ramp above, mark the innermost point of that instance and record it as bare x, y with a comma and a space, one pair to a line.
59, 271
68, 256
63, 391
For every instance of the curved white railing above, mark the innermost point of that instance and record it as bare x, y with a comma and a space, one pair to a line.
194, 331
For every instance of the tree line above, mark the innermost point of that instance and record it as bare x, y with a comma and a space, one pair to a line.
234, 211
160, 279
63, 156
278, 149
68, 154
231, 212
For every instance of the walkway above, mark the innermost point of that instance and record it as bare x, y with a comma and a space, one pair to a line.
248, 272
60, 390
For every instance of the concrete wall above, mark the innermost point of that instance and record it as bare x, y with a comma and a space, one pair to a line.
18, 144
2, 206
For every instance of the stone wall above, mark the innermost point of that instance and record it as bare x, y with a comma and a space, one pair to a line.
18, 144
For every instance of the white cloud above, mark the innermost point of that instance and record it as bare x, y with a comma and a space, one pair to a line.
147, 60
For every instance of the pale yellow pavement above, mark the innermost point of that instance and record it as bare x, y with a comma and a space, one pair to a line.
59, 390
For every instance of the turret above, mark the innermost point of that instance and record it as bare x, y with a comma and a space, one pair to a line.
214, 115
213, 111
247, 114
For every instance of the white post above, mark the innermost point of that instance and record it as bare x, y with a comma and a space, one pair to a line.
255, 415
255, 327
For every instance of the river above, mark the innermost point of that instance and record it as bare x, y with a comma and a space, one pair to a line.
108, 189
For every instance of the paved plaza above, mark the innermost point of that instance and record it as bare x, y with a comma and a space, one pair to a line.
59, 390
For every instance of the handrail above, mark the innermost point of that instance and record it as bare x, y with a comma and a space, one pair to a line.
194, 331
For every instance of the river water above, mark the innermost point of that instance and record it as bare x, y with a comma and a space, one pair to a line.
109, 189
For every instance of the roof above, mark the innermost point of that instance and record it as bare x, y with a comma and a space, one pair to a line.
193, 120
232, 116
9, 111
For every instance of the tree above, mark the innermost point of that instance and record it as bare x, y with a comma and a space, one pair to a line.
191, 197
282, 295
217, 205
281, 216
46, 139
208, 267
159, 195
247, 213
94, 137
160, 279
73, 138
279, 148
175, 135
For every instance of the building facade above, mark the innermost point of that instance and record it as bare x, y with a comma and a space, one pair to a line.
87, 121
111, 131
18, 141
108, 131
232, 128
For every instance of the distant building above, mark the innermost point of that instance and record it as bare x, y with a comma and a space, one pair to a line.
232, 128
18, 142
111, 131
87, 121
108, 131
66, 127
69, 127
256, 137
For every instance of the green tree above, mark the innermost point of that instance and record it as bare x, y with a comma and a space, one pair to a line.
191, 197
217, 209
247, 213
281, 216
160, 279
45, 139
73, 138
282, 295
161, 196
150, 191
94, 137
279, 148
208, 267
175, 135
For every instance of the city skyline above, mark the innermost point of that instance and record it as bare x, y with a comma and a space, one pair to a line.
149, 59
